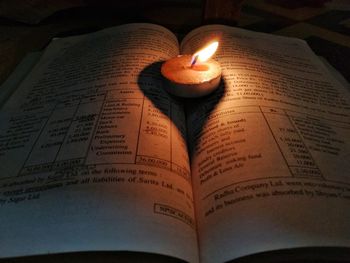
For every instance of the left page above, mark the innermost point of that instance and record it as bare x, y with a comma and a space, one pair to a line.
14, 80
93, 153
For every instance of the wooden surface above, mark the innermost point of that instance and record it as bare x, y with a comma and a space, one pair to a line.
95, 257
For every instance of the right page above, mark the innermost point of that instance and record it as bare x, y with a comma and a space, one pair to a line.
270, 148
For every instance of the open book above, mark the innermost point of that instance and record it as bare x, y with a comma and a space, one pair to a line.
96, 156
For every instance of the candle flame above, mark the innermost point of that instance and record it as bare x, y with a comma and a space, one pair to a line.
205, 53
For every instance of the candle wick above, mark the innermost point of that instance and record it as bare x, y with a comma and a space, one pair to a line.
194, 60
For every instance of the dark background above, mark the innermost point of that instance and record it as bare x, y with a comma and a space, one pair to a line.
27, 26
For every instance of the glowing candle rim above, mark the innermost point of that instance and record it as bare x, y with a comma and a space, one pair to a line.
182, 80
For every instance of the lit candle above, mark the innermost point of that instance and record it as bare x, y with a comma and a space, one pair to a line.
192, 76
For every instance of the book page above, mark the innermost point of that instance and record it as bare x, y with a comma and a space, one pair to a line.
270, 148
20, 72
93, 152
